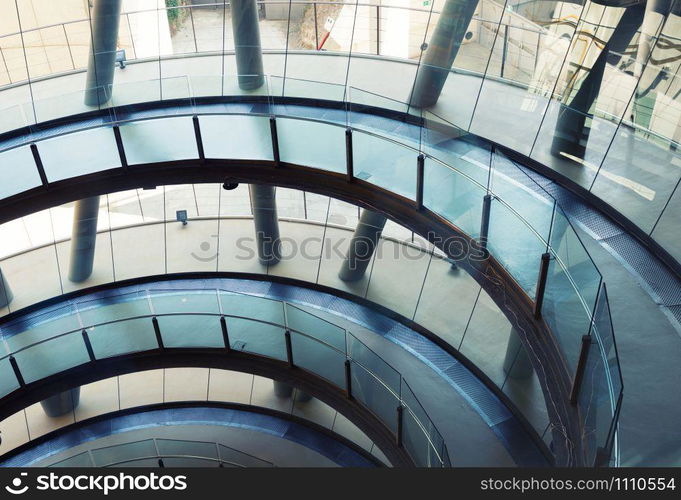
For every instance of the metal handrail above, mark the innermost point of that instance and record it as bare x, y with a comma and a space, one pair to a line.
284, 325
159, 455
556, 209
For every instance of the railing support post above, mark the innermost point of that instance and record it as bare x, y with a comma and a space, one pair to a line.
17, 372
199, 140
504, 52
348, 378
541, 284
484, 223
88, 346
581, 366
378, 30
316, 28
348, 154
275, 141
157, 332
39, 164
225, 333
289, 349
400, 417
420, 172
119, 146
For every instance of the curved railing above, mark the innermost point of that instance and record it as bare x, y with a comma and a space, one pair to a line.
227, 321
510, 81
434, 164
160, 452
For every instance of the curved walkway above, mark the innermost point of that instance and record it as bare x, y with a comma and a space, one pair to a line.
308, 448
652, 402
446, 383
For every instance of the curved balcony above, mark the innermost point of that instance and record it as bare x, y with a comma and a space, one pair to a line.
166, 453
200, 434
510, 81
176, 248
443, 173
231, 322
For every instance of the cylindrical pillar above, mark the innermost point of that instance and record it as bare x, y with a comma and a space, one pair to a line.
516, 362
441, 51
540, 12
264, 206
62, 403
247, 48
362, 245
284, 390
83, 239
6, 295
571, 135
105, 17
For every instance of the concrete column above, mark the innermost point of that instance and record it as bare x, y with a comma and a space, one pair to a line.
571, 135
539, 12
264, 206
83, 239
362, 245
6, 295
247, 47
283, 390
105, 17
437, 59
656, 11
516, 363
62, 403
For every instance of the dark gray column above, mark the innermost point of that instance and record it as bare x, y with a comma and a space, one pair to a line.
6, 295
83, 239
539, 12
62, 403
571, 135
247, 48
362, 245
284, 390
437, 59
105, 17
264, 206
516, 363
